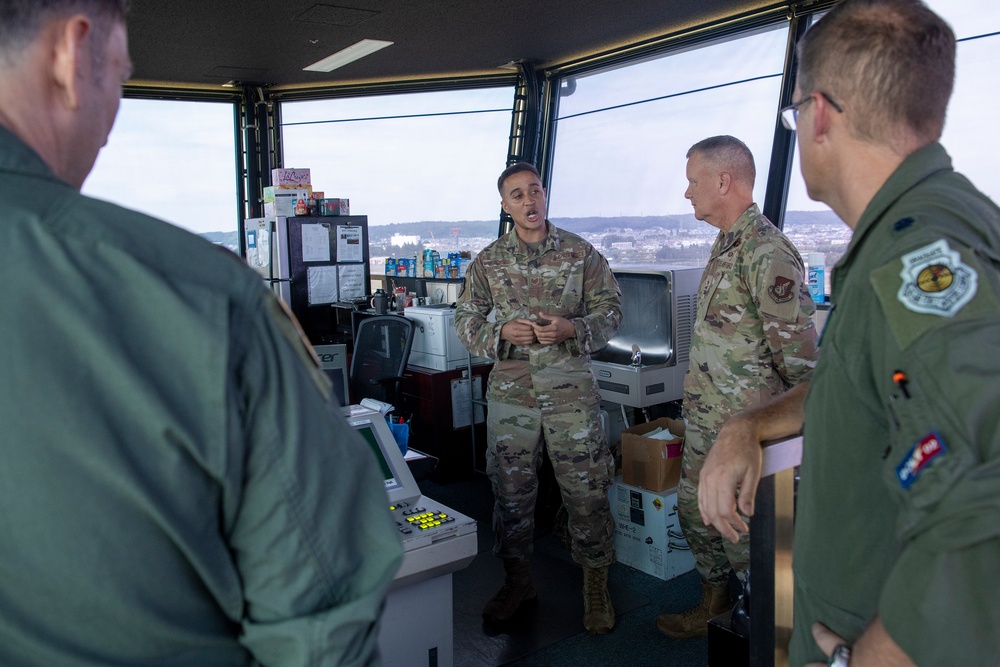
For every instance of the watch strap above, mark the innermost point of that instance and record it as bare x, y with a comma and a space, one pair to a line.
841, 656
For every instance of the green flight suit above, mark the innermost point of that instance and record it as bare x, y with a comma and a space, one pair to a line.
899, 502
176, 487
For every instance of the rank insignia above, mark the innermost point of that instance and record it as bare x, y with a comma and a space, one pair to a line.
935, 281
782, 289
919, 456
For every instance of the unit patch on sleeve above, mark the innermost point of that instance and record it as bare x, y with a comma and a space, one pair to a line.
935, 281
782, 290
919, 456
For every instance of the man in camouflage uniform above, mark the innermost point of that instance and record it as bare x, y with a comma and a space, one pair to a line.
555, 302
753, 339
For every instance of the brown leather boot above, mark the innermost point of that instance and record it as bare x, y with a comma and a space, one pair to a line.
598, 614
694, 621
516, 590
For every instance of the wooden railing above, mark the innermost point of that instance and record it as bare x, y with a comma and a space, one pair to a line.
771, 532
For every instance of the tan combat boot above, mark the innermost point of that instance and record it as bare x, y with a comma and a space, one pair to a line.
694, 621
598, 614
516, 590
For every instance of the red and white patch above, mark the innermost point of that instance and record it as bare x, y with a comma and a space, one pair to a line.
782, 290
918, 458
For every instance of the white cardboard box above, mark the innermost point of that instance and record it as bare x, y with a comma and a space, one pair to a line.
648, 534
285, 201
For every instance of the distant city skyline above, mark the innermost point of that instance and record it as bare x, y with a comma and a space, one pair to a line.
176, 160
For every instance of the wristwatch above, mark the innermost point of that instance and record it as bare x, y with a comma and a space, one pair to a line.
841, 656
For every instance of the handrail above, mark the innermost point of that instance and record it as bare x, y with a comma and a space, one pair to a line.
771, 532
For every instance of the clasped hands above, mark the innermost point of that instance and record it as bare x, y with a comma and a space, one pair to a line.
547, 330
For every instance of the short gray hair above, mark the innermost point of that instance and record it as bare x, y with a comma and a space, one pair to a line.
729, 153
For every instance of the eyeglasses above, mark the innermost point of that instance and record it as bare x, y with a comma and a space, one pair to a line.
790, 114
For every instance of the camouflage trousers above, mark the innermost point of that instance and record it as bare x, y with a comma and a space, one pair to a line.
715, 556
584, 471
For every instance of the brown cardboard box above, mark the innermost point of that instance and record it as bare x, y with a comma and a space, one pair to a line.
646, 462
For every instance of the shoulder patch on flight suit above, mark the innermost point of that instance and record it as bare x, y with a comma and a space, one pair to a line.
935, 280
927, 287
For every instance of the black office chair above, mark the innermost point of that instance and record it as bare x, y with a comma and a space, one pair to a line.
381, 351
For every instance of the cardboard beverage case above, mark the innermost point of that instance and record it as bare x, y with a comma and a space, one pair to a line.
331, 206
648, 533
649, 463
292, 177
285, 201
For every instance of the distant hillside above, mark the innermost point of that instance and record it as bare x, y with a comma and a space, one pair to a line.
428, 230
599, 225
228, 239
431, 229
435, 229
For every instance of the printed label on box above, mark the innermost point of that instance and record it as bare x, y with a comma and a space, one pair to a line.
647, 533
290, 177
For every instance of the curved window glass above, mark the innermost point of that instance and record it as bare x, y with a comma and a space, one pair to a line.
618, 169
422, 166
175, 160
815, 228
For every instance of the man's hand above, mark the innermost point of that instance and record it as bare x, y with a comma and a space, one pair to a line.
873, 648
552, 329
826, 640
732, 467
731, 471
518, 332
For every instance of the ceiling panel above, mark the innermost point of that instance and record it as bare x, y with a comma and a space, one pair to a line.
266, 42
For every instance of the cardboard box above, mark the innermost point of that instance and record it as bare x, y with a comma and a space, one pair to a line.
653, 464
334, 206
442, 292
285, 201
271, 190
291, 177
647, 533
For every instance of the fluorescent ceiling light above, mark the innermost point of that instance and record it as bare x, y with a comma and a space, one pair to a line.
348, 55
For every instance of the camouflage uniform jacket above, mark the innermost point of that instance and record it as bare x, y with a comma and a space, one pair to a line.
566, 276
753, 337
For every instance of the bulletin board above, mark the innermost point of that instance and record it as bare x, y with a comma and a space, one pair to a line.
328, 265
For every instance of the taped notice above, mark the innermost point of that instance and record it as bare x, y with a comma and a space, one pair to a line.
462, 393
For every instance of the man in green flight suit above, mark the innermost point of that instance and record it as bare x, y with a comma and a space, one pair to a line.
177, 487
555, 302
897, 540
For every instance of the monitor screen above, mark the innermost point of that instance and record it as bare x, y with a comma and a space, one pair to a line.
338, 378
388, 474
333, 361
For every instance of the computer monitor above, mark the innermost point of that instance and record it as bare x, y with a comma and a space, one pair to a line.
400, 484
333, 361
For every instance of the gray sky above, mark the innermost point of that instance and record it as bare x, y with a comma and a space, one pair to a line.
175, 160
